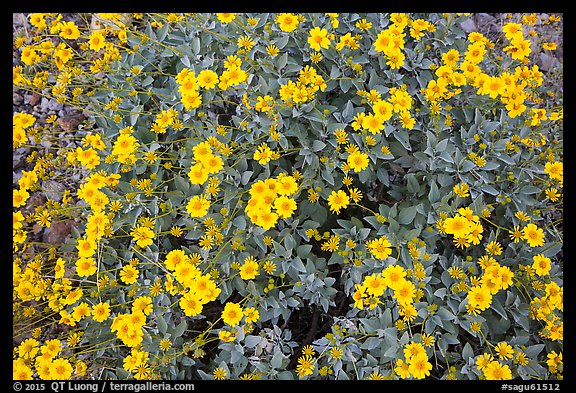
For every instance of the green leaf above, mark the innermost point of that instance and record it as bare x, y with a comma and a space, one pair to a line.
318, 145
345, 84
407, 214
489, 189
180, 329
467, 352
553, 250
434, 193
277, 359
181, 184
282, 61
403, 137
304, 250
529, 190
195, 44
147, 81
412, 183
444, 314
251, 341
370, 343
348, 112
282, 41
239, 222
497, 306
467, 166
162, 325
298, 265
533, 350
289, 242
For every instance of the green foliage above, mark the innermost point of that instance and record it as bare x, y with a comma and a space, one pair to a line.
341, 200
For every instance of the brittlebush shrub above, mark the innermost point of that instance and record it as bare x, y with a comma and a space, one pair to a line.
289, 196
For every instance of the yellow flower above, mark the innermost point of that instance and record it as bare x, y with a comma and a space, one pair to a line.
232, 314
249, 269
284, 206
60, 369
129, 274
483, 360
516, 234
318, 38
251, 315
272, 50
462, 190
338, 200
373, 122
100, 311
305, 366
504, 350
245, 42
220, 373
494, 248
308, 350
142, 236
541, 264
404, 293
86, 267
374, 284
459, 226
479, 297
358, 161
497, 371
207, 79
394, 276
198, 206
191, 304
533, 235
287, 22
380, 247
97, 41
552, 194
226, 17
402, 369
555, 170
419, 366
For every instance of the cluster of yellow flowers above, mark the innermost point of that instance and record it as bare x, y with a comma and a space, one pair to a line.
45, 360
457, 71
197, 288
205, 163
399, 104
546, 307
493, 279
189, 85
272, 199
519, 48
465, 227
380, 247
20, 122
27, 181
390, 41
137, 362
374, 285
125, 147
493, 369
264, 154
232, 315
555, 169
415, 364
304, 89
